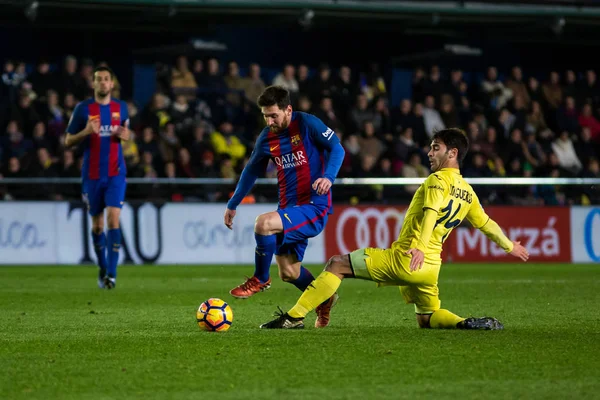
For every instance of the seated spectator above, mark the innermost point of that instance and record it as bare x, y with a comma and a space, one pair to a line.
287, 79
586, 119
68, 168
326, 113
432, 118
536, 122
131, 154
568, 117
227, 145
552, 91
369, 144
182, 116
169, 143
585, 148
414, 169
42, 80
182, 79
322, 84
496, 94
361, 113
534, 154
405, 145
565, 152
15, 144
253, 85
517, 86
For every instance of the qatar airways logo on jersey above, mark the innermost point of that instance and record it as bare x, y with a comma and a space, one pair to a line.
107, 130
291, 160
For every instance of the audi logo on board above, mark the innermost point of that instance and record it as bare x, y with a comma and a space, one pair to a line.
351, 228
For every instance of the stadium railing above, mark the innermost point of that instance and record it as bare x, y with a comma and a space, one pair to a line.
340, 181
163, 224
345, 188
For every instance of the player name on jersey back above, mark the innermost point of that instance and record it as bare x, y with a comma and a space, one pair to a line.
461, 194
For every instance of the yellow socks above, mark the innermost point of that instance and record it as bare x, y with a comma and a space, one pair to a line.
316, 293
444, 319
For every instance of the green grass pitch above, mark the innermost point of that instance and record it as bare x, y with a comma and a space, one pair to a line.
63, 338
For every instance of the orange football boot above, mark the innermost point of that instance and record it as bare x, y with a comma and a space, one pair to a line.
250, 288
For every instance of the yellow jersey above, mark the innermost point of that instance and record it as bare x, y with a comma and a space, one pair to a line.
445, 192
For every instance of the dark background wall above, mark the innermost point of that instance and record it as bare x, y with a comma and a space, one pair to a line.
272, 40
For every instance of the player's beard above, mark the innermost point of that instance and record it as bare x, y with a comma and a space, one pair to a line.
432, 165
284, 124
435, 164
102, 94
438, 163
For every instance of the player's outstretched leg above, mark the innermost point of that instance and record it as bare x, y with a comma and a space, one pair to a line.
265, 228
444, 319
484, 323
99, 241
291, 270
318, 292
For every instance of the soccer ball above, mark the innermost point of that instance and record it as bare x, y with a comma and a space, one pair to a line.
214, 315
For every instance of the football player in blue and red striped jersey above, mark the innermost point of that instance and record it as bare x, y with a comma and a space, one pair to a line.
308, 156
99, 124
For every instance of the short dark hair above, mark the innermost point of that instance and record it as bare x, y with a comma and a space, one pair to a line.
274, 95
454, 138
104, 68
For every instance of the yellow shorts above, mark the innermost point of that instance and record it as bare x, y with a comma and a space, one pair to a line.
390, 267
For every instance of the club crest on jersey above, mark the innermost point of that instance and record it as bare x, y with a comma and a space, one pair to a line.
295, 140
116, 116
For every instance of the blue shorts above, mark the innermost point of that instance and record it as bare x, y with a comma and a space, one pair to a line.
300, 223
104, 192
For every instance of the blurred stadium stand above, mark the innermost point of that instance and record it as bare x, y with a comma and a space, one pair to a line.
383, 74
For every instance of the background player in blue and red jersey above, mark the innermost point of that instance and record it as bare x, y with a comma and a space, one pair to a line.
308, 156
100, 124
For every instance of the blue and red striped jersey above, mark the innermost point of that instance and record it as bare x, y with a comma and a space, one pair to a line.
103, 154
301, 153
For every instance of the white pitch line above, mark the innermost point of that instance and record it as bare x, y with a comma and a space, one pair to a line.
506, 281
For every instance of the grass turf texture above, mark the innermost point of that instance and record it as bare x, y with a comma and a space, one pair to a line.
62, 337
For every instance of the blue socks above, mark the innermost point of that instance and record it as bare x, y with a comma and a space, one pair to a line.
99, 240
114, 247
304, 279
263, 255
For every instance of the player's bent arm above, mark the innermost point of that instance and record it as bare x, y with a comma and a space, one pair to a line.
480, 220
247, 181
336, 158
256, 166
492, 230
72, 140
326, 139
124, 133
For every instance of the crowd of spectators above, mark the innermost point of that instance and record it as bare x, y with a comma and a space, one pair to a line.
203, 121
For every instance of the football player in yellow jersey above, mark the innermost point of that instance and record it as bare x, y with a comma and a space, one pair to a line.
413, 262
